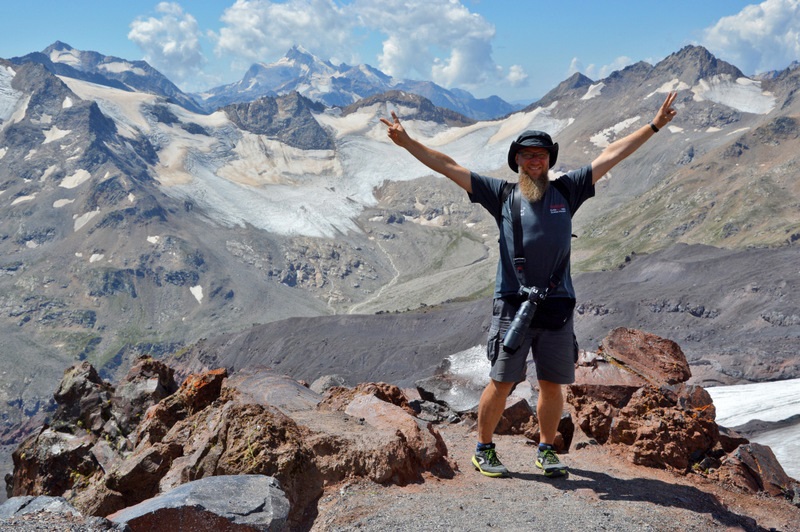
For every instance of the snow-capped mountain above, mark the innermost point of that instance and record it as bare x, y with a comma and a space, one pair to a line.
130, 224
64, 60
341, 85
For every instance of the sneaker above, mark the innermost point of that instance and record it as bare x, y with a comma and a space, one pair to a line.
548, 462
487, 463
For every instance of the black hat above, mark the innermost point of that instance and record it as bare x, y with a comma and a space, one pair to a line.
533, 139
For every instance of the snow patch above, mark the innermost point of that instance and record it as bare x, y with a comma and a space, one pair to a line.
47, 173
67, 103
96, 257
76, 179
118, 67
57, 204
153, 239
593, 91
603, 138
670, 86
738, 131
197, 292
68, 57
743, 94
3, 152
767, 401
122, 106
83, 219
54, 134
131, 197
23, 199
9, 97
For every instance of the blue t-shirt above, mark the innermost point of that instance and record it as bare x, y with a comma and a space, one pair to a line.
546, 229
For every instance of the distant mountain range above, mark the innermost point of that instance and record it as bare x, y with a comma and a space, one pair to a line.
135, 221
342, 85
299, 71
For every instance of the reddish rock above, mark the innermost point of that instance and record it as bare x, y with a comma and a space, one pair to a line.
196, 392
518, 417
265, 387
633, 395
49, 462
651, 357
754, 468
338, 397
147, 382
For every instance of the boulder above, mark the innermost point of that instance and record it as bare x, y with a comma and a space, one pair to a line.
221, 503
649, 356
633, 394
266, 387
754, 468
27, 505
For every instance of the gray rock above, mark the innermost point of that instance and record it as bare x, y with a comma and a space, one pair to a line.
29, 505
216, 503
324, 383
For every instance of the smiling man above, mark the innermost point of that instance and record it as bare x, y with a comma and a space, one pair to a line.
535, 223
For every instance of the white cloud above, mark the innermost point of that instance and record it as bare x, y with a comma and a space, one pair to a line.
759, 38
440, 40
260, 30
598, 72
171, 42
436, 39
516, 76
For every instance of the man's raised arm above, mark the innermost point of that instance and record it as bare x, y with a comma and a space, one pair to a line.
620, 149
436, 161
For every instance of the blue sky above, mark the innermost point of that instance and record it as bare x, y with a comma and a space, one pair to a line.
516, 49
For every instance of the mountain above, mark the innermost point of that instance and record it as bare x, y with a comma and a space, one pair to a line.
131, 224
64, 60
340, 86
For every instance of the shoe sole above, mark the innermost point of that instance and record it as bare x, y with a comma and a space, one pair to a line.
487, 473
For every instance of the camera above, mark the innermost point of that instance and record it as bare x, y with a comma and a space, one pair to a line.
522, 319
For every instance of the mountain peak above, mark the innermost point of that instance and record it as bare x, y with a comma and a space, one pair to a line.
693, 63
59, 46
300, 55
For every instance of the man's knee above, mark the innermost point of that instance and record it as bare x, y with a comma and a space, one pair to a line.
550, 389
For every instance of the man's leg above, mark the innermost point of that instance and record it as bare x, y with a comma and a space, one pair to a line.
548, 409
490, 409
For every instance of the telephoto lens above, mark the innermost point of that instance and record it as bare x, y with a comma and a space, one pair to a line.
516, 331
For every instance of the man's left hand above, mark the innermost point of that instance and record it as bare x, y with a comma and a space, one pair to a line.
666, 112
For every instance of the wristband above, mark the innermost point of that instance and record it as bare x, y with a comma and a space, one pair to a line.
653, 127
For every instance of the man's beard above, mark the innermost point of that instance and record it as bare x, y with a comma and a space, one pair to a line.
533, 188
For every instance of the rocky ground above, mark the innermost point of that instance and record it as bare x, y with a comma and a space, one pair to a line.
643, 448
603, 492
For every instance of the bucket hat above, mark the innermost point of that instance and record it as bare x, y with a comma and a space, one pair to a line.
533, 139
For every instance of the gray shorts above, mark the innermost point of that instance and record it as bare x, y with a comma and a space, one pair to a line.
554, 352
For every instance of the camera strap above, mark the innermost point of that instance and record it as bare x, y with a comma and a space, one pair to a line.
519, 254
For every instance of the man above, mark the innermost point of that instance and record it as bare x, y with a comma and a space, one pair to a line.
545, 219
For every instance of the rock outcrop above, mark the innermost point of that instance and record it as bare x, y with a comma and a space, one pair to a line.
633, 395
254, 423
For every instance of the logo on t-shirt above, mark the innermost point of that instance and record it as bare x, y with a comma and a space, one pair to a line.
558, 208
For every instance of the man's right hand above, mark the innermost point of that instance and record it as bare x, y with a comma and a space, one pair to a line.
396, 131
435, 160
